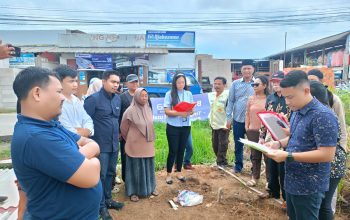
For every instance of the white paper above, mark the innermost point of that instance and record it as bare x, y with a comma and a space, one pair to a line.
255, 145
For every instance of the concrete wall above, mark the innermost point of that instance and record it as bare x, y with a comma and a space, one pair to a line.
214, 67
8, 98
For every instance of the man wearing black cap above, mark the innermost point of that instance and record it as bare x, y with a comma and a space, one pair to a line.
276, 103
240, 90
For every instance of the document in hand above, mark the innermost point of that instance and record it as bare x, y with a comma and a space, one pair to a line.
255, 145
273, 122
184, 106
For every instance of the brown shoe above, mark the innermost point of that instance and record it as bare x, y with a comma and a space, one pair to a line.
188, 167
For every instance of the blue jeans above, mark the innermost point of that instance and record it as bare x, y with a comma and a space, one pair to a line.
326, 212
304, 207
238, 132
108, 168
189, 150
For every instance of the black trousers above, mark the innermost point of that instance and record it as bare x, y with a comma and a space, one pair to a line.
123, 157
276, 181
177, 140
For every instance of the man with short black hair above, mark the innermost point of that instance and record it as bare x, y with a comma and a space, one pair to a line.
56, 168
73, 116
104, 109
309, 149
217, 121
236, 108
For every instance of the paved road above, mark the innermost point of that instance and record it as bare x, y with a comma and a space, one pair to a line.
7, 122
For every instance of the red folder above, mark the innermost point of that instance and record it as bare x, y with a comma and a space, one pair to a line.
184, 106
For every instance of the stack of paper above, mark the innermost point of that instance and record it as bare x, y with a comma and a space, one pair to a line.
255, 145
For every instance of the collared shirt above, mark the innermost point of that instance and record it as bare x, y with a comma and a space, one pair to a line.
217, 115
178, 121
74, 116
237, 100
104, 109
312, 127
44, 156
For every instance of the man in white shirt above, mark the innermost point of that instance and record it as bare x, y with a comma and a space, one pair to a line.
73, 117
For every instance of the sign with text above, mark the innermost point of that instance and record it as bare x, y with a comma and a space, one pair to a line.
170, 39
94, 61
201, 111
22, 62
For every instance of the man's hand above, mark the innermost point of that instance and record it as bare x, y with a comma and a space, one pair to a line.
228, 125
275, 145
278, 155
6, 51
83, 132
286, 131
88, 147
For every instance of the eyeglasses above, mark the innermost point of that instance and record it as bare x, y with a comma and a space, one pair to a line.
255, 84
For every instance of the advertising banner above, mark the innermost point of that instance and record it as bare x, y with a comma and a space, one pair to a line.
94, 61
170, 39
22, 62
201, 110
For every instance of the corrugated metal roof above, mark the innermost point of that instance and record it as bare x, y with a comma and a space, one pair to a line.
54, 49
8, 208
326, 40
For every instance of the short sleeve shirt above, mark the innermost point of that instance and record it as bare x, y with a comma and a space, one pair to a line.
312, 127
178, 121
44, 156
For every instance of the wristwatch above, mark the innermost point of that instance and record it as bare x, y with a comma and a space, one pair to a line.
290, 157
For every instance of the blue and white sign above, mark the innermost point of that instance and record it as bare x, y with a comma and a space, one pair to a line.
94, 61
170, 39
170, 74
22, 62
201, 111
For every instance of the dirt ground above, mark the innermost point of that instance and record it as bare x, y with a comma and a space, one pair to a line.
237, 200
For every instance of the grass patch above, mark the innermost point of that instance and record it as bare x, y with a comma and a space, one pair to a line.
5, 152
345, 97
202, 149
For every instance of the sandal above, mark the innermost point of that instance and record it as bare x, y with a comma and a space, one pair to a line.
169, 180
134, 198
182, 179
265, 195
155, 193
284, 206
251, 183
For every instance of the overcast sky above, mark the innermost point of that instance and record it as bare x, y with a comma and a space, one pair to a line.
240, 29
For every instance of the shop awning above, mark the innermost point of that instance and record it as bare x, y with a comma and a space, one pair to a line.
109, 50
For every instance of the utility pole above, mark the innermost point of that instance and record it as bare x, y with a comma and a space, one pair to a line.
285, 50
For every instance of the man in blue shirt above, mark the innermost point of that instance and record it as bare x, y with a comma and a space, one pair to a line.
57, 169
104, 109
236, 108
309, 149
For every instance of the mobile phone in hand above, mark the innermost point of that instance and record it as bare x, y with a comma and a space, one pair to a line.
17, 52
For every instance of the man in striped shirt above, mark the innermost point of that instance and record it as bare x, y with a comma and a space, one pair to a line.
240, 90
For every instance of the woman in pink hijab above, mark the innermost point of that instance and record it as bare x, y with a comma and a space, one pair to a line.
137, 130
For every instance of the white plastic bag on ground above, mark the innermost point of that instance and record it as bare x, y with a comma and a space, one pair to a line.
189, 198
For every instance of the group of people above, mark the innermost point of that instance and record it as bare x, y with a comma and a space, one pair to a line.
64, 150
306, 167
